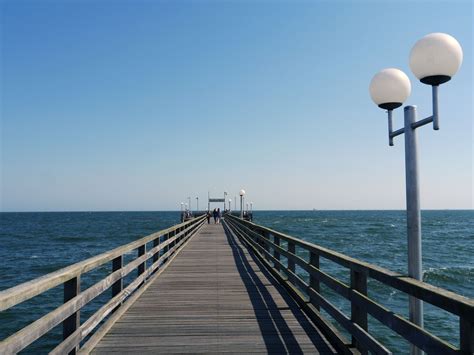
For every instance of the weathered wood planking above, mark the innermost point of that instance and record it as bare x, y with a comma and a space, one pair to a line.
214, 298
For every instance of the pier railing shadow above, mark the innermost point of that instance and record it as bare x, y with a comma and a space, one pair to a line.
266, 245
275, 331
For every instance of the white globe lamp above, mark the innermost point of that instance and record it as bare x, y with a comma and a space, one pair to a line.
435, 58
390, 88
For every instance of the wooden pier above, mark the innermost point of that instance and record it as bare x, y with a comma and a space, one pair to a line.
214, 297
235, 287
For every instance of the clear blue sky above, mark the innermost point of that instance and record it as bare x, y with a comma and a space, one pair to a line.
135, 105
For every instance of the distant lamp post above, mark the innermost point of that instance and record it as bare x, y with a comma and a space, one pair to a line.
182, 206
225, 194
197, 203
247, 207
242, 194
434, 60
235, 203
189, 200
230, 201
251, 207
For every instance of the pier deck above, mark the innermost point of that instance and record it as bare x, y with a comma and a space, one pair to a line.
214, 298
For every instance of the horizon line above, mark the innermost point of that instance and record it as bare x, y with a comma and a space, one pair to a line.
255, 210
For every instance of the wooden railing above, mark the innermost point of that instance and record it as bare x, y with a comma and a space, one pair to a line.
266, 243
162, 245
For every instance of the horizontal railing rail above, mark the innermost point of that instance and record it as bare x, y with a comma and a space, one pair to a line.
267, 245
164, 244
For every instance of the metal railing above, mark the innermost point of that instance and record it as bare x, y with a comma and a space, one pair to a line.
163, 245
266, 243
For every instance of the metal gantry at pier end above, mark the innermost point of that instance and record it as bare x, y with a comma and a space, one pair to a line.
434, 60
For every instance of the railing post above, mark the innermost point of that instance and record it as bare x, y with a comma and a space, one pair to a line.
313, 281
291, 262
156, 242
265, 236
171, 235
142, 266
117, 286
71, 289
276, 254
358, 315
466, 335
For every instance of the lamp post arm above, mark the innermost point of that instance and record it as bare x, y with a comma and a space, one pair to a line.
435, 117
391, 133
435, 108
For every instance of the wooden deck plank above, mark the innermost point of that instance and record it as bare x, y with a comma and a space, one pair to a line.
214, 298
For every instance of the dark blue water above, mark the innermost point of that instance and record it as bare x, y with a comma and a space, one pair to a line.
34, 244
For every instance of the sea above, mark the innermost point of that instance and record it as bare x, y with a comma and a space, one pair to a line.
34, 244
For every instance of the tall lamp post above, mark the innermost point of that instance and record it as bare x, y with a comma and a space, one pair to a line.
197, 203
242, 193
235, 202
225, 194
182, 207
189, 203
251, 207
434, 59
230, 201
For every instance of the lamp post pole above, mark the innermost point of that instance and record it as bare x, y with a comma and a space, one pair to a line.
230, 204
225, 195
434, 59
241, 206
242, 193
413, 211
197, 203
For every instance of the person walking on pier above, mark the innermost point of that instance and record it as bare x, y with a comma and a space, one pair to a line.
214, 214
218, 215
208, 216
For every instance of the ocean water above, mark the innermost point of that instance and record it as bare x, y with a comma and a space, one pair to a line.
34, 244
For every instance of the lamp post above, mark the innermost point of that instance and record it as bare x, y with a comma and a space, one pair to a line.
251, 207
225, 194
242, 193
434, 59
247, 207
189, 200
197, 203
230, 201
235, 202
182, 206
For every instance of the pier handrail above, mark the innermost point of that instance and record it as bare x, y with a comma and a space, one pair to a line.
266, 243
164, 244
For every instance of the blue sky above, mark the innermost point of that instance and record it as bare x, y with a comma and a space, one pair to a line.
135, 105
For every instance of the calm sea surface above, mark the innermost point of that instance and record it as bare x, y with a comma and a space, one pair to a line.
34, 244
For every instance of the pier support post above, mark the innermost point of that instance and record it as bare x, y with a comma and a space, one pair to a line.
358, 314
156, 242
313, 281
291, 262
71, 289
265, 245
276, 254
142, 266
466, 335
117, 286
